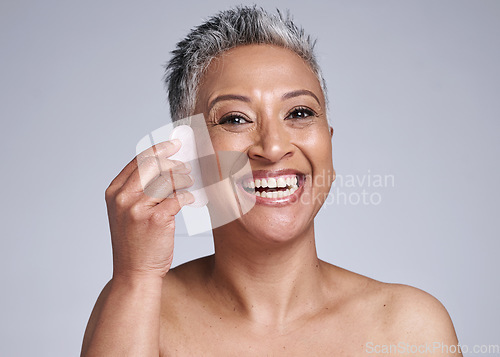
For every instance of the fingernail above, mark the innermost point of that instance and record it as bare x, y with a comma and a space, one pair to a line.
185, 198
180, 197
175, 142
188, 166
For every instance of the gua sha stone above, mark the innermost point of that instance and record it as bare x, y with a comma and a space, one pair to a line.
188, 154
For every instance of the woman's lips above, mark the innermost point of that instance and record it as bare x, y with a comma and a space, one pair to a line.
273, 187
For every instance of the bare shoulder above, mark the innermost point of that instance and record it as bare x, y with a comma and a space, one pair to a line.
410, 303
189, 274
396, 313
184, 284
183, 307
418, 316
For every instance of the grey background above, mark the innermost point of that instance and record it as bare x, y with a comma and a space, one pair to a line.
414, 91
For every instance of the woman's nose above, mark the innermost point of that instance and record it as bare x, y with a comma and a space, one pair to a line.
271, 142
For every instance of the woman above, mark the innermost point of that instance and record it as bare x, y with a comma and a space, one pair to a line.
264, 292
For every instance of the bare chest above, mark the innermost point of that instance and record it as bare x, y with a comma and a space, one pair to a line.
190, 335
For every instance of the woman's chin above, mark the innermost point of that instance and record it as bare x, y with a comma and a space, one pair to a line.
278, 229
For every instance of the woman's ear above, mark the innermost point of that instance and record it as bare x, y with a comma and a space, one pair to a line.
331, 132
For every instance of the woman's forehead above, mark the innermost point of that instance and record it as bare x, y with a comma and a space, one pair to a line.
257, 69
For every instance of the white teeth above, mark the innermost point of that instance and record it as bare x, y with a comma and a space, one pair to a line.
290, 183
276, 194
271, 182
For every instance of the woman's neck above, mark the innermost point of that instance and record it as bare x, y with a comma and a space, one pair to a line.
270, 283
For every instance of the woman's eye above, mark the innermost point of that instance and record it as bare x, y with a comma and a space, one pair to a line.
300, 113
233, 120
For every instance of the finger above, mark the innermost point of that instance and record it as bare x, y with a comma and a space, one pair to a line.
123, 176
173, 203
165, 185
161, 150
151, 168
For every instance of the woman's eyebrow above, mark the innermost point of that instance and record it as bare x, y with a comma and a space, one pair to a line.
228, 97
299, 92
242, 98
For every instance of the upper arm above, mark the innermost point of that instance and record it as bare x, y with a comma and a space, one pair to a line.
94, 317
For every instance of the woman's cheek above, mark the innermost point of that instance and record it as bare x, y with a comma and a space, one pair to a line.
223, 140
319, 154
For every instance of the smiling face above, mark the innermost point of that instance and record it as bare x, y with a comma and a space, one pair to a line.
266, 101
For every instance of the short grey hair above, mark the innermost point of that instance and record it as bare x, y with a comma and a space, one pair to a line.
239, 26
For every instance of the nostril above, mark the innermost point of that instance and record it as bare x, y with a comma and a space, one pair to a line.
270, 155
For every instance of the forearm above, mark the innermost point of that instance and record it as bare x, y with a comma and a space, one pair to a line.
128, 322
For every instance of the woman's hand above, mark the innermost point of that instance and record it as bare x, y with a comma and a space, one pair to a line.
142, 203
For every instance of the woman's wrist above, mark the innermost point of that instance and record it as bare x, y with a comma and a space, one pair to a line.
138, 282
